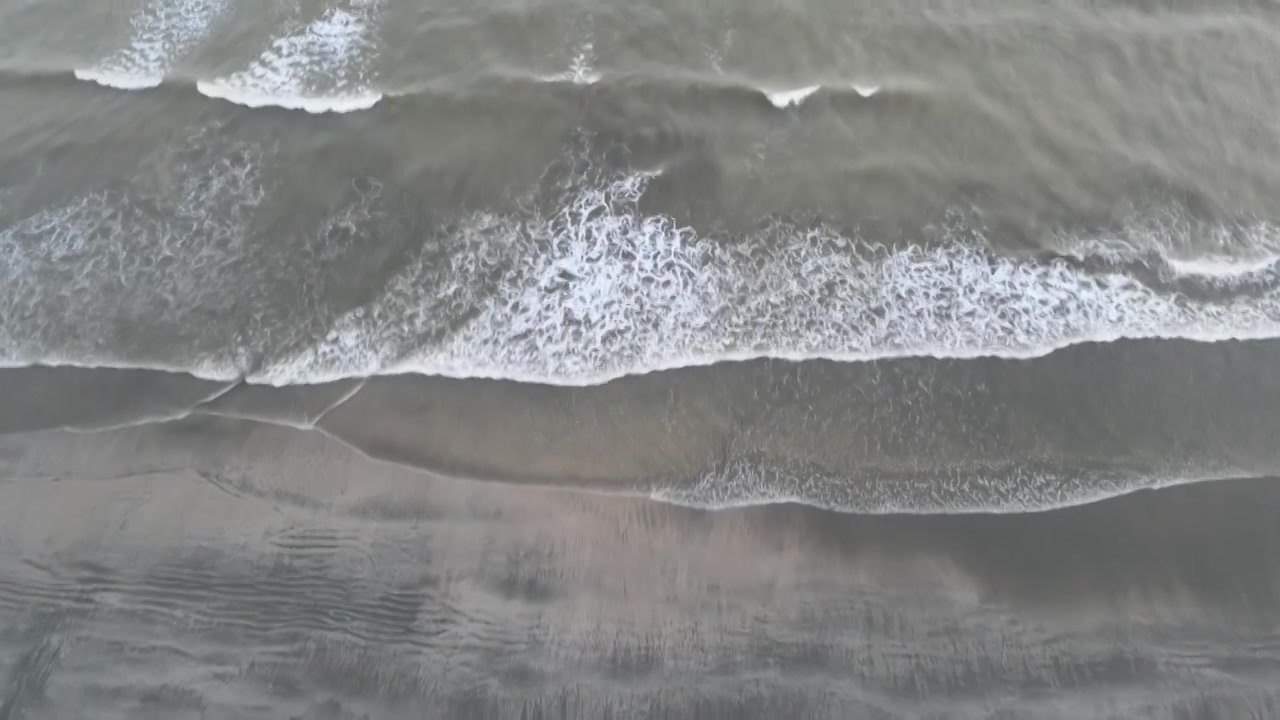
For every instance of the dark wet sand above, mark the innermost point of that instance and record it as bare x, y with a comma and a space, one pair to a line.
239, 569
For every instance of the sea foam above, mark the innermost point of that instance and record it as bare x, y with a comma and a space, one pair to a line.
791, 98
600, 290
581, 69
161, 34
580, 292
320, 67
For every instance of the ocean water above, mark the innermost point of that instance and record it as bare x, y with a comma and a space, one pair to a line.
596, 359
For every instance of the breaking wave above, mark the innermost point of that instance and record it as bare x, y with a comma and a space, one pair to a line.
161, 34
578, 292
321, 67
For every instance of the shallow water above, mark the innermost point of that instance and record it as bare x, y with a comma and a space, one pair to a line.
781, 359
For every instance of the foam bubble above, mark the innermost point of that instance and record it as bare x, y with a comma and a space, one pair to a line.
592, 290
864, 90
600, 290
161, 34
322, 67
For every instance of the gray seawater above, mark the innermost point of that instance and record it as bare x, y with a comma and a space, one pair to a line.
596, 359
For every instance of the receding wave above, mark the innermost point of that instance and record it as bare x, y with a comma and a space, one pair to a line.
914, 436
1022, 490
320, 67
161, 33
234, 540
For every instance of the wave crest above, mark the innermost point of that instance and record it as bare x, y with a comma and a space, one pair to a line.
321, 67
600, 289
161, 33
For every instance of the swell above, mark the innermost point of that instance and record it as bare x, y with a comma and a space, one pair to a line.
730, 91
577, 280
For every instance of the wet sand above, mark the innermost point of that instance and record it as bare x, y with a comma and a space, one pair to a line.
248, 569
906, 435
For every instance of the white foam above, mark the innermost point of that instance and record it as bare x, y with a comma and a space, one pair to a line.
865, 91
80, 281
161, 34
119, 80
255, 98
1220, 254
581, 69
789, 98
601, 290
1015, 490
715, 61
594, 291
321, 67
1223, 268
